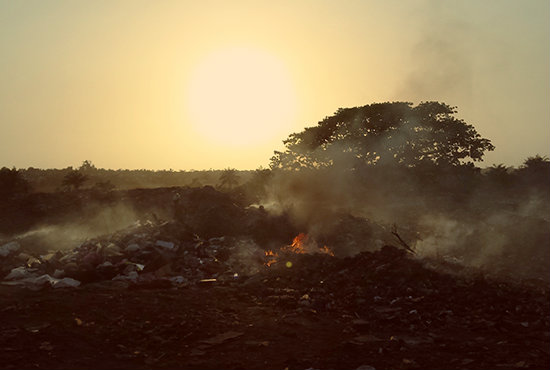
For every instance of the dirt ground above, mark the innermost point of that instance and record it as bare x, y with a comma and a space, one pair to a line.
381, 310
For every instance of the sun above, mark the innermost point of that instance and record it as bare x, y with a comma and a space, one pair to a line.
241, 97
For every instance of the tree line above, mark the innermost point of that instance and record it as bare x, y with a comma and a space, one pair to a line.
396, 140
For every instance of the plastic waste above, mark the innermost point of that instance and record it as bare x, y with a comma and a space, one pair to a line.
66, 283
164, 244
132, 248
22, 272
131, 276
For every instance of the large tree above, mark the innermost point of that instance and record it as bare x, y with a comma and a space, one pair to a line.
384, 133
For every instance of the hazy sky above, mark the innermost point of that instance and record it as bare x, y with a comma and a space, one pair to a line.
212, 84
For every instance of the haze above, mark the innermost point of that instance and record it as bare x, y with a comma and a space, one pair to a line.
213, 84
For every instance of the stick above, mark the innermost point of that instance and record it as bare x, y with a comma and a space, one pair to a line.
394, 232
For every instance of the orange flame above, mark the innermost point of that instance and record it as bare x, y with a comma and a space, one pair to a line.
297, 245
272, 257
326, 250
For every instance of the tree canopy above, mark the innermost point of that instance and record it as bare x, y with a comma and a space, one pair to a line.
384, 133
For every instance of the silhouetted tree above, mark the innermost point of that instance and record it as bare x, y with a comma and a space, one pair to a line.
87, 166
74, 179
11, 183
535, 171
385, 133
536, 163
229, 178
499, 174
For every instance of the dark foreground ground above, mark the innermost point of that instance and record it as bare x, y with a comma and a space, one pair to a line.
381, 310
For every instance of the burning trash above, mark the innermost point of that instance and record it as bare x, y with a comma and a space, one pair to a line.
301, 244
298, 244
271, 256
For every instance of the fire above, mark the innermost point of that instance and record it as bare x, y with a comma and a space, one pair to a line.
298, 244
272, 257
326, 250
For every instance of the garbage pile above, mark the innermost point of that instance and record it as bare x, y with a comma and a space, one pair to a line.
163, 253
211, 236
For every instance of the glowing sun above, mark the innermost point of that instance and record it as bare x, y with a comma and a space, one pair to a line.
241, 97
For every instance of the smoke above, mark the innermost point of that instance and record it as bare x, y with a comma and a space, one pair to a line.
500, 227
512, 243
441, 60
68, 234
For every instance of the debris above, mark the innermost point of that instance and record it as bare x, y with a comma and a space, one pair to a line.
401, 241
207, 281
46, 346
178, 280
132, 248
22, 272
131, 276
105, 264
363, 339
221, 338
164, 244
66, 283
37, 328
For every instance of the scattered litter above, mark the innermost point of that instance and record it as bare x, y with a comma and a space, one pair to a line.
66, 283
163, 244
22, 272
218, 339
